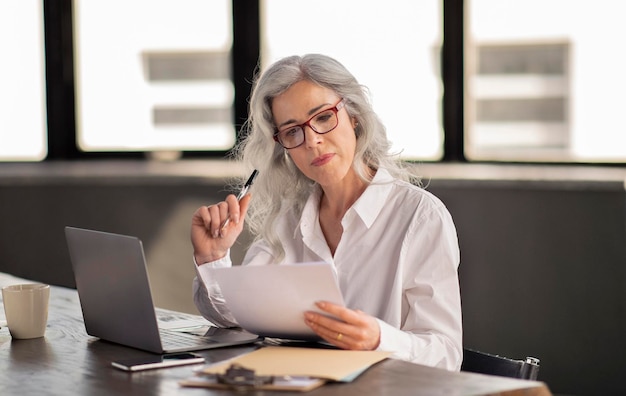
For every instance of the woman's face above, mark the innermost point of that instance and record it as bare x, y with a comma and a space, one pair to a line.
325, 158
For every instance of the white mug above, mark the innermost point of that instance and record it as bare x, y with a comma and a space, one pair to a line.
26, 309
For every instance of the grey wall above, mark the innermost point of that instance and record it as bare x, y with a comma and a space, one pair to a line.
542, 272
33, 217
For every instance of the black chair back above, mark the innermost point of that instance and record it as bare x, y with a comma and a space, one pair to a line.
485, 363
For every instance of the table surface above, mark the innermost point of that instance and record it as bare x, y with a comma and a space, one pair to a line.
68, 361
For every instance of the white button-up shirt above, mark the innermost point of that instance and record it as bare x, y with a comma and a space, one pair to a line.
397, 260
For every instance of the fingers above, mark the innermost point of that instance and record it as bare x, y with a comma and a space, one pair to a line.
349, 330
237, 209
220, 218
232, 209
218, 213
244, 203
331, 330
343, 313
209, 237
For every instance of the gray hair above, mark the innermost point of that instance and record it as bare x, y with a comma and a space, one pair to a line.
280, 185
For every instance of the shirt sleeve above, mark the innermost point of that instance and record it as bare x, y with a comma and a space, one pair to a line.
431, 331
207, 295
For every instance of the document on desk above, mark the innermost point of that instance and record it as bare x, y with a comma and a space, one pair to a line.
270, 300
328, 364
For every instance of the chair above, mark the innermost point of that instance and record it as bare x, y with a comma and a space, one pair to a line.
485, 363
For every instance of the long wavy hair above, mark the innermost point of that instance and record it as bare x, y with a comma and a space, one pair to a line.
280, 185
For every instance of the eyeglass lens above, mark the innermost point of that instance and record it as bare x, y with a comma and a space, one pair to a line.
323, 122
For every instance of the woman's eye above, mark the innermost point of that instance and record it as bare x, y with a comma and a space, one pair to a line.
322, 118
290, 132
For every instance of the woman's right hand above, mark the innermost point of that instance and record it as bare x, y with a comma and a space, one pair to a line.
210, 241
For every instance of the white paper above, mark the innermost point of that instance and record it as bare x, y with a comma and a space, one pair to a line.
271, 300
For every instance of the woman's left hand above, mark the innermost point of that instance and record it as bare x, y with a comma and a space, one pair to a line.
355, 330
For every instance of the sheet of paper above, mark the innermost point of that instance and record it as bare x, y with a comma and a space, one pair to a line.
332, 364
270, 300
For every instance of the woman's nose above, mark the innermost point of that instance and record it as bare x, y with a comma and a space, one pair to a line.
311, 138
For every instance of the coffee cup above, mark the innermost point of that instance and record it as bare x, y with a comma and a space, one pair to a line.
26, 309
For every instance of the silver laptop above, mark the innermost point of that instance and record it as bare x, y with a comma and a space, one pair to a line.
114, 290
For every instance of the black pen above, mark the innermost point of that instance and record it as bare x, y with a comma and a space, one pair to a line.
242, 193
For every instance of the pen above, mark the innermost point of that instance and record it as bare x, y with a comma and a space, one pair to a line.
242, 193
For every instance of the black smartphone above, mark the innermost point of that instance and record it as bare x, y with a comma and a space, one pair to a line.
159, 361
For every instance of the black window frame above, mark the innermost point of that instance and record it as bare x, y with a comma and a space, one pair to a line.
60, 82
246, 52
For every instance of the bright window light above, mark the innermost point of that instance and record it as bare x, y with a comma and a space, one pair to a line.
544, 84
23, 125
153, 75
392, 48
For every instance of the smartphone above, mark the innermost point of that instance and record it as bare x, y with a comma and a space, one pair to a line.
153, 362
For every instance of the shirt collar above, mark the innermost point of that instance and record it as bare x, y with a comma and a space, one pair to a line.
367, 206
371, 202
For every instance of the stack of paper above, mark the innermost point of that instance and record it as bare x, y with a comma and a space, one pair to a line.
301, 364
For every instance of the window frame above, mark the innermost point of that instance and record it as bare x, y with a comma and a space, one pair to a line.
60, 85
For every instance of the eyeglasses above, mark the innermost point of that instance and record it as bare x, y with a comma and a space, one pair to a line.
321, 123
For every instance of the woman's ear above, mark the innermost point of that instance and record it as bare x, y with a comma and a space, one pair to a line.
355, 123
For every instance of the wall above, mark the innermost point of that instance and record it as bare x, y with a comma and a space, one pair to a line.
543, 275
543, 251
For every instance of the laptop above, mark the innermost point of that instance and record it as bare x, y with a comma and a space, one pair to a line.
114, 291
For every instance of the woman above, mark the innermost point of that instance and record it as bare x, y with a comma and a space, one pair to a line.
328, 190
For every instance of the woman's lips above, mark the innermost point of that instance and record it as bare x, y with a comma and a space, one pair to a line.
322, 159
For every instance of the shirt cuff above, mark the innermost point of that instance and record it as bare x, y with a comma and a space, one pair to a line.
393, 340
203, 271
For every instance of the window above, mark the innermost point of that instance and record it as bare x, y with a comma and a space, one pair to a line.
544, 84
22, 96
153, 75
542, 79
521, 100
392, 48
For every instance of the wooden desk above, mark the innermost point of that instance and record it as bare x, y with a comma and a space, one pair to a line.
68, 361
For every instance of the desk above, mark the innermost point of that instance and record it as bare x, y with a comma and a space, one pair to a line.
68, 361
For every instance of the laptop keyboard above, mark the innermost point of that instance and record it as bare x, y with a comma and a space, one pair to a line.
175, 339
